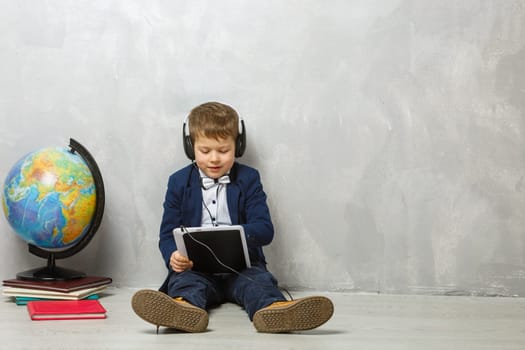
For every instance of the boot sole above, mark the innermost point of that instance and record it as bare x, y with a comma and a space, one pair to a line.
306, 313
162, 310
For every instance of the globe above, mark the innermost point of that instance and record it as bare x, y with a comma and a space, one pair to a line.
50, 199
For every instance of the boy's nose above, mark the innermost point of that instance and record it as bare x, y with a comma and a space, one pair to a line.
214, 156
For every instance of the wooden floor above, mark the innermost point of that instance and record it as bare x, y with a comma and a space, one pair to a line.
361, 321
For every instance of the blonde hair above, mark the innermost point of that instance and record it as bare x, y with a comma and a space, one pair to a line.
213, 120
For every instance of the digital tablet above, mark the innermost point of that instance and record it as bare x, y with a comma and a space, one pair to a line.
218, 249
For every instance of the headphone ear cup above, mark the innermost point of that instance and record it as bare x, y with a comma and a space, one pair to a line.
240, 144
187, 144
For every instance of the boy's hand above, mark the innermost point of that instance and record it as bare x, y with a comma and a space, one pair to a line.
180, 263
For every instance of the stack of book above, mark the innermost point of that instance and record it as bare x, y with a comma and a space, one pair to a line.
24, 291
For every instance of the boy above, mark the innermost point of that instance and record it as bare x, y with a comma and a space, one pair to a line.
215, 190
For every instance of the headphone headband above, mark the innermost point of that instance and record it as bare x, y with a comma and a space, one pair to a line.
186, 129
240, 142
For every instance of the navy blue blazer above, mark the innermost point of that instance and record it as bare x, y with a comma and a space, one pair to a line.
246, 204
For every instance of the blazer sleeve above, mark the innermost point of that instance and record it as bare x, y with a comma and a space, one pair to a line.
257, 221
171, 218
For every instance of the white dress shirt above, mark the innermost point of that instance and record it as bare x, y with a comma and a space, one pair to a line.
215, 205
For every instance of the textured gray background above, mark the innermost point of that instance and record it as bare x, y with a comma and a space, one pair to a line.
389, 134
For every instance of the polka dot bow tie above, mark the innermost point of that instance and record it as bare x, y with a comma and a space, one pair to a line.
208, 182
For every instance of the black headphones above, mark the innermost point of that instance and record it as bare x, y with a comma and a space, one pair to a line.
240, 142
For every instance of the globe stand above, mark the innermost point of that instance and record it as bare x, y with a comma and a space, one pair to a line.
51, 272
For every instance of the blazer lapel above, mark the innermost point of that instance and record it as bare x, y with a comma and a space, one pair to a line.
234, 195
193, 201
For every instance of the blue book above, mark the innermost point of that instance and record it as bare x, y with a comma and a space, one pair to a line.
25, 300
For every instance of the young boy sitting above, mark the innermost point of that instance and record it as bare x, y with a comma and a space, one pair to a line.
216, 190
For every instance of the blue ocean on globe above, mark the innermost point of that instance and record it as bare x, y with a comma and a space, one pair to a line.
49, 198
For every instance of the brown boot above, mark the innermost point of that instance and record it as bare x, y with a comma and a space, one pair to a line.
162, 310
295, 315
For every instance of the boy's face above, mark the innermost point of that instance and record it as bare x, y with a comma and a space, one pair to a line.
213, 156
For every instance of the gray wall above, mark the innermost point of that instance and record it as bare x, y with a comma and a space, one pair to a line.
389, 134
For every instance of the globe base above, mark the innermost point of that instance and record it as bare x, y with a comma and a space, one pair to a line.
51, 272
47, 273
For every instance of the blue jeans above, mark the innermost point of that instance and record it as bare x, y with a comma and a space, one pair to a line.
254, 289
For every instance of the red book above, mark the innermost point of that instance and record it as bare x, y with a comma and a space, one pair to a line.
65, 310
